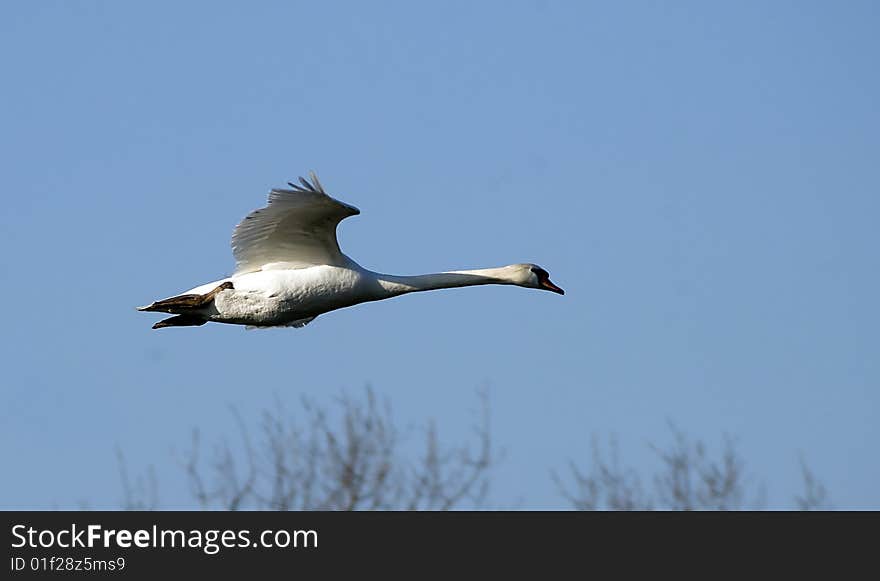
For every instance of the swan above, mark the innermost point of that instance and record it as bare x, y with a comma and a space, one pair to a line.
289, 269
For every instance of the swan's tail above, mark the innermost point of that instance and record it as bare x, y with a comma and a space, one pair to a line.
176, 304
185, 303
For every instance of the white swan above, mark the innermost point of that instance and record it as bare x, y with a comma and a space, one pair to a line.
289, 269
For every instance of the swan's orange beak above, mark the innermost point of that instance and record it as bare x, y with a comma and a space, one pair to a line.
551, 287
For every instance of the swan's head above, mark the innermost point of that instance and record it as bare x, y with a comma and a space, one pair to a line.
533, 276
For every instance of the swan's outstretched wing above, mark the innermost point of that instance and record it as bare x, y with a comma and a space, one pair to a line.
297, 228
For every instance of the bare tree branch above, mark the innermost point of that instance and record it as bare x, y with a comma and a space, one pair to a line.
143, 493
815, 496
606, 486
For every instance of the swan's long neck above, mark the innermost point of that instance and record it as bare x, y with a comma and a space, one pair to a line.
398, 285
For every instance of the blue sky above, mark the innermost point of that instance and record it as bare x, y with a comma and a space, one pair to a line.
702, 178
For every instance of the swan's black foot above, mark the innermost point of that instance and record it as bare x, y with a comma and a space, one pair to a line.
180, 321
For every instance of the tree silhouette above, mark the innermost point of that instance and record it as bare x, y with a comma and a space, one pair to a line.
350, 456
689, 478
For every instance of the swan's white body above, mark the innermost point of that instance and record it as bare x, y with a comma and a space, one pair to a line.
290, 269
284, 297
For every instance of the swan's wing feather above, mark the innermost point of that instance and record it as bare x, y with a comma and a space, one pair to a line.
297, 228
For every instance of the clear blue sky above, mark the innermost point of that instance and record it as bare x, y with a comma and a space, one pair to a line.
702, 178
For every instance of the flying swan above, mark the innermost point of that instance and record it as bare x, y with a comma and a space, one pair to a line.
289, 269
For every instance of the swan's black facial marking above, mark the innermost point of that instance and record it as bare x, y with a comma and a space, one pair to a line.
544, 280
541, 273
